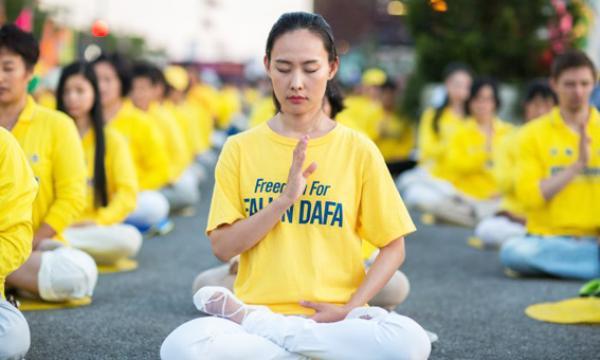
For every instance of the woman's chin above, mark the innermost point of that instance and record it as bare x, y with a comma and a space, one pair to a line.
296, 110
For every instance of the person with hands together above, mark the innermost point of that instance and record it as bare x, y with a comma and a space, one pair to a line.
557, 180
302, 289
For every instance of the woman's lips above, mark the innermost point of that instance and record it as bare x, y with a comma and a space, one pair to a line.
296, 99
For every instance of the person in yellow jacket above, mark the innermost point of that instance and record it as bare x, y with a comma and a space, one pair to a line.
436, 127
396, 136
148, 93
54, 271
438, 124
145, 143
178, 82
202, 93
472, 149
363, 110
558, 180
18, 189
189, 117
229, 105
493, 231
468, 191
203, 97
112, 182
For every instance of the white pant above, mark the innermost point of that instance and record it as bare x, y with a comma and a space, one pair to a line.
424, 192
152, 208
184, 192
14, 332
106, 244
496, 230
66, 273
366, 333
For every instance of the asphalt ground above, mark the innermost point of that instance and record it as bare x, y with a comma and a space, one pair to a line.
457, 291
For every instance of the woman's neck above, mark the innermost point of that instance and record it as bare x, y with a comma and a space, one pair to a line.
83, 124
457, 108
9, 113
111, 110
314, 124
486, 124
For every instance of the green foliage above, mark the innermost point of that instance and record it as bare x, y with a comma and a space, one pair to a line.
495, 37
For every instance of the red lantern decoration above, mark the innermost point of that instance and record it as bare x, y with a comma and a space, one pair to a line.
99, 28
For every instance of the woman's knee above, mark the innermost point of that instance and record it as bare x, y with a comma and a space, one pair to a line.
405, 339
486, 231
393, 293
422, 197
152, 208
14, 333
215, 338
66, 273
518, 254
127, 240
217, 276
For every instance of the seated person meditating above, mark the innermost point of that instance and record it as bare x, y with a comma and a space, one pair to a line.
295, 197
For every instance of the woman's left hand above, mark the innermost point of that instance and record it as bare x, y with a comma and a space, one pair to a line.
326, 312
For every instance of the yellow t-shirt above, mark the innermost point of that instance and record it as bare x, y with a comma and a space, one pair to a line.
146, 145
433, 145
18, 189
545, 147
179, 157
122, 185
469, 164
51, 143
315, 252
505, 162
396, 138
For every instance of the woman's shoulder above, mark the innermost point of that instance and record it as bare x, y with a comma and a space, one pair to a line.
355, 140
113, 138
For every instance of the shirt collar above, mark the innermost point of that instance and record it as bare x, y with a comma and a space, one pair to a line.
26, 114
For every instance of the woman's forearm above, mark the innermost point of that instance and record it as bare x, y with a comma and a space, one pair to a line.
385, 265
231, 240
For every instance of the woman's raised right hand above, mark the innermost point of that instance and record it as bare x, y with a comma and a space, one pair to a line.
297, 176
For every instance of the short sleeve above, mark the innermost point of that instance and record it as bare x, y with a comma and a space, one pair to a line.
226, 205
382, 216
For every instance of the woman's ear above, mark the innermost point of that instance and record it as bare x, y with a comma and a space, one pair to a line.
333, 67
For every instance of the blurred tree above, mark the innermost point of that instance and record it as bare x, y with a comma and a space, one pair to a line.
501, 38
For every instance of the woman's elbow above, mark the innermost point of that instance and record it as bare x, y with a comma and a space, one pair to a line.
221, 252
397, 250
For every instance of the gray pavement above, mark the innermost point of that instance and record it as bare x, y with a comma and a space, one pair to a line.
456, 291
